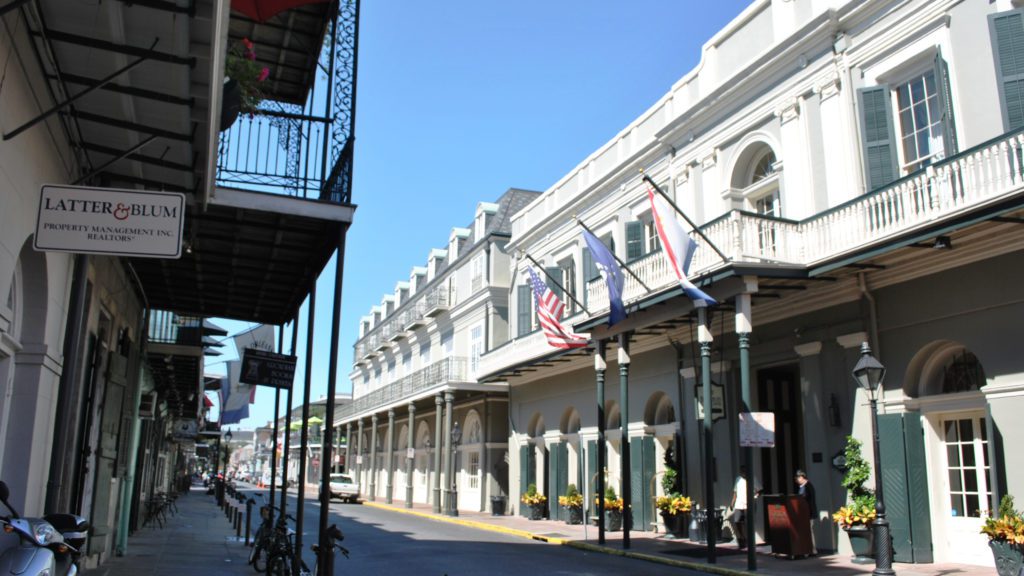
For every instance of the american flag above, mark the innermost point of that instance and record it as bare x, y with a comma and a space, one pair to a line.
549, 310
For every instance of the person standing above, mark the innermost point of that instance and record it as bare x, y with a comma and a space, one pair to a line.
739, 507
805, 490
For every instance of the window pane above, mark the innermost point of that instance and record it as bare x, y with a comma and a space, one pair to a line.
917, 90
966, 430
984, 456
970, 480
909, 147
902, 97
920, 115
929, 80
956, 505
953, 453
955, 485
982, 430
973, 505
968, 454
950, 431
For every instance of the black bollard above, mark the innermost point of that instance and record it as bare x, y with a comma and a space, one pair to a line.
248, 518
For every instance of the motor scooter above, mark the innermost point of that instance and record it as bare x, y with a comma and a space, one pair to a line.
48, 546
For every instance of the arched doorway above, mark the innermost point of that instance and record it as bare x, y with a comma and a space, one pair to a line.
946, 378
469, 464
421, 475
532, 458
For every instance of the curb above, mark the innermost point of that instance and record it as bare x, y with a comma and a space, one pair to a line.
586, 546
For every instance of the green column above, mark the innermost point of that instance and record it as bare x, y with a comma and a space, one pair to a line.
743, 329
624, 469
449, 398
348, 448
359, 451
411, 457
704, 337
599, 367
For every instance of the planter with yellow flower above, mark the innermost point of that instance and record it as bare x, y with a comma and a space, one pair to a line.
856, 517
573, 503
535, 502
613, 506
675, 513
1005, 533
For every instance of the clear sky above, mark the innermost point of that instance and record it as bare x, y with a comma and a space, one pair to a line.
459, 101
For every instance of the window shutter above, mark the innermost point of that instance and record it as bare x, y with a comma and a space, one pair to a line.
1007, 31
634, 240
554, 280
945, 105
524, 309
877, 132
589, 273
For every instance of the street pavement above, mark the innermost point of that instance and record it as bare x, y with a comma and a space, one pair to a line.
200, 541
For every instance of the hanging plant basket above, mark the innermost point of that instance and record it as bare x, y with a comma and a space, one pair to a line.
230, 104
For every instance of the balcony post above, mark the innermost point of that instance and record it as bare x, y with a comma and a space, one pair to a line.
449, 398
359, 451
410, 458
389, 453
438, 404
373, 458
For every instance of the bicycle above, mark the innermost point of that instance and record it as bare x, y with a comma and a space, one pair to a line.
280, 564
263, 540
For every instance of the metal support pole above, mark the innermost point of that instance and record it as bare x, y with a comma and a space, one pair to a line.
348, 448
599, 367
410, 458
326, 550
704, 337
373, 458
300, 509
438, 405
449, 398
743, 329
273, 455
359, 452
390, 455
624, 470
883, 544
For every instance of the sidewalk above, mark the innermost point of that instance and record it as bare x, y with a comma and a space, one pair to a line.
198, 540
683, 553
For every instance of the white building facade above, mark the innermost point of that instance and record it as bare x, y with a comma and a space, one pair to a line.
858, 164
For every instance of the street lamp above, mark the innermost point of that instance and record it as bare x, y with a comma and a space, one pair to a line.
869, 374
453, 501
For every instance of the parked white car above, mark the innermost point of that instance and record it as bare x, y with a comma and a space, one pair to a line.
344, 487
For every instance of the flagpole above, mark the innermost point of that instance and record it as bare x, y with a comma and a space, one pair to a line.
560, 287
617, 259
671, 203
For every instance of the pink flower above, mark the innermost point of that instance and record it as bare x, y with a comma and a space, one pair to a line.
248, 44
263, 74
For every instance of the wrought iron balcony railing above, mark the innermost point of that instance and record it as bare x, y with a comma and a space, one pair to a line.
170, 328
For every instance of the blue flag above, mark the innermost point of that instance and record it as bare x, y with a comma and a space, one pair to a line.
609, 269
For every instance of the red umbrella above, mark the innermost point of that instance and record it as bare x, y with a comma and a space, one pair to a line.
263, 10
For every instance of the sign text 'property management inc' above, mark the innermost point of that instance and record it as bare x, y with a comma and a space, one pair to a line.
109, 221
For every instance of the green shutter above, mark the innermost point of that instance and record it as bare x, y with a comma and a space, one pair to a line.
1007, 31
945, 94
554, 280
558, 479
589, 272
641, 478
591, 480
880, 164
917, 481
905, 486
523, 310
634, 240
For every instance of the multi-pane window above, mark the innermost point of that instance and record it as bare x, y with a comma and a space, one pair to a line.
641, 238
476, 347
474, 469
524, 310
425, 355
476, 272
920, 119
967, 465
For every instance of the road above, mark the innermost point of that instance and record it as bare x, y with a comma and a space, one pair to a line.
385, 542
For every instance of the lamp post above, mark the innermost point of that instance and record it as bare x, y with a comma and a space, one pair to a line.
453, 500
869, 374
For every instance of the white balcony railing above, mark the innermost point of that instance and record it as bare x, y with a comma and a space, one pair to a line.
449, 370
970, 180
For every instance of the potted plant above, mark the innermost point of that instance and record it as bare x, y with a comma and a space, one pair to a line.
675, 510
1005, 533
242, 79
856, 517
612, 510
535, 501
573, 502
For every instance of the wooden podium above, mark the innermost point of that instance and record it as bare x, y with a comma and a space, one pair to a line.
788, 523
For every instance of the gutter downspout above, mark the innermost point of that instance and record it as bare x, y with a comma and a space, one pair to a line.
872, 312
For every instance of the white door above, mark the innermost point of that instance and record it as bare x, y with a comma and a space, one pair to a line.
968, 492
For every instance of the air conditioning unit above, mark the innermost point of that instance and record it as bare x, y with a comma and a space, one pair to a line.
147, 406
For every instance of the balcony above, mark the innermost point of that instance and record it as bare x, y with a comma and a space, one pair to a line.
448, 371
417, 316
977, 179
437, 302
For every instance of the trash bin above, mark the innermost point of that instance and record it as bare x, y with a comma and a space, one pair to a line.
497, 505
699, 524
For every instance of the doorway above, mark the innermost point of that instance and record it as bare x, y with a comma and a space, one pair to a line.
778, 391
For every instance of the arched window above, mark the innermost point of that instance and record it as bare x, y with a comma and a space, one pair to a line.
963, 373
764, 167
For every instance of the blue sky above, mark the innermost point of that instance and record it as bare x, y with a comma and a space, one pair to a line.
461, 100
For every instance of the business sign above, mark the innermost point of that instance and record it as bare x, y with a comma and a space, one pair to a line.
110, 222
717, 401
757, 429
263, 368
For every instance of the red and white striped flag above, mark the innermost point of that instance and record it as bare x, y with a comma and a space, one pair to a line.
549, 312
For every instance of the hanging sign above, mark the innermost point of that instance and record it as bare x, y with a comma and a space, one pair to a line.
757, 429
109, 221
263, 368
717, 401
